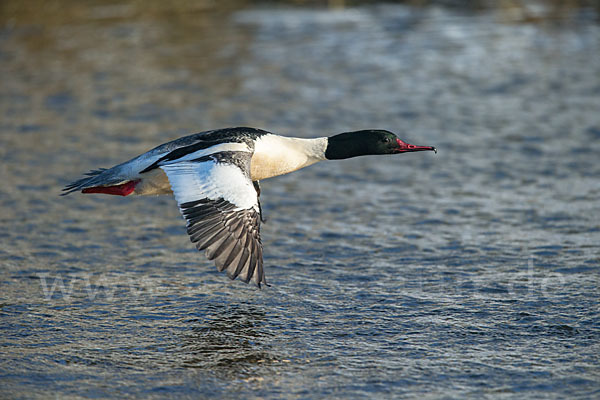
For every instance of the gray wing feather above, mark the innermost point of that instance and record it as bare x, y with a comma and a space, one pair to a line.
230, 237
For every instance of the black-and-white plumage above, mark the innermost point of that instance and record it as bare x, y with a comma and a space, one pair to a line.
220, 204
214, 176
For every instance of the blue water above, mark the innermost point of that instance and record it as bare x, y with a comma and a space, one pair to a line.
471, 273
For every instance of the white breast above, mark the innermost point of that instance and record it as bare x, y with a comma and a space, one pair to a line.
277, 155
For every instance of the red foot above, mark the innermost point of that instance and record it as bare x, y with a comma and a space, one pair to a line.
123, 189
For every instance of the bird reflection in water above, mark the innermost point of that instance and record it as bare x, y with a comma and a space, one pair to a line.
228, 340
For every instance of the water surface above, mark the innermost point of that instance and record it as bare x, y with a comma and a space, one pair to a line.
470, 273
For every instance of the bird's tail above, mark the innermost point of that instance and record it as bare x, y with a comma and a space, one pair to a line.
101, 177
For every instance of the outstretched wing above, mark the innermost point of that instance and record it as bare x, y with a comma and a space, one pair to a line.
218, 200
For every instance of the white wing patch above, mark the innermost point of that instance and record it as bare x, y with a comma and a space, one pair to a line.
191, 181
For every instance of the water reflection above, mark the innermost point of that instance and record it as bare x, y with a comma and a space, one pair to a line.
227, 340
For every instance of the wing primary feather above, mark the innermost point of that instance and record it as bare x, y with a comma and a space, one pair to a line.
202, 225
233, 265
205, 234
222, 250
259, 273
212, 249
251, 265
209, 240
226, 253
243, 259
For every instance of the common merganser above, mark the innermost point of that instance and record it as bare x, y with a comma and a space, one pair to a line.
215, 176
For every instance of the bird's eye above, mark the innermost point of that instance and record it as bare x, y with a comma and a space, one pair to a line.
386, 140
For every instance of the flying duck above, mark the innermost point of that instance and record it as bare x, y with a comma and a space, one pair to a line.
215, 176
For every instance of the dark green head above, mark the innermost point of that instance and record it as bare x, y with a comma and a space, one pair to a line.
368, 142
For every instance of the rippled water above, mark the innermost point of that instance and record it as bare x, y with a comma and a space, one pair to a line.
470, 273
